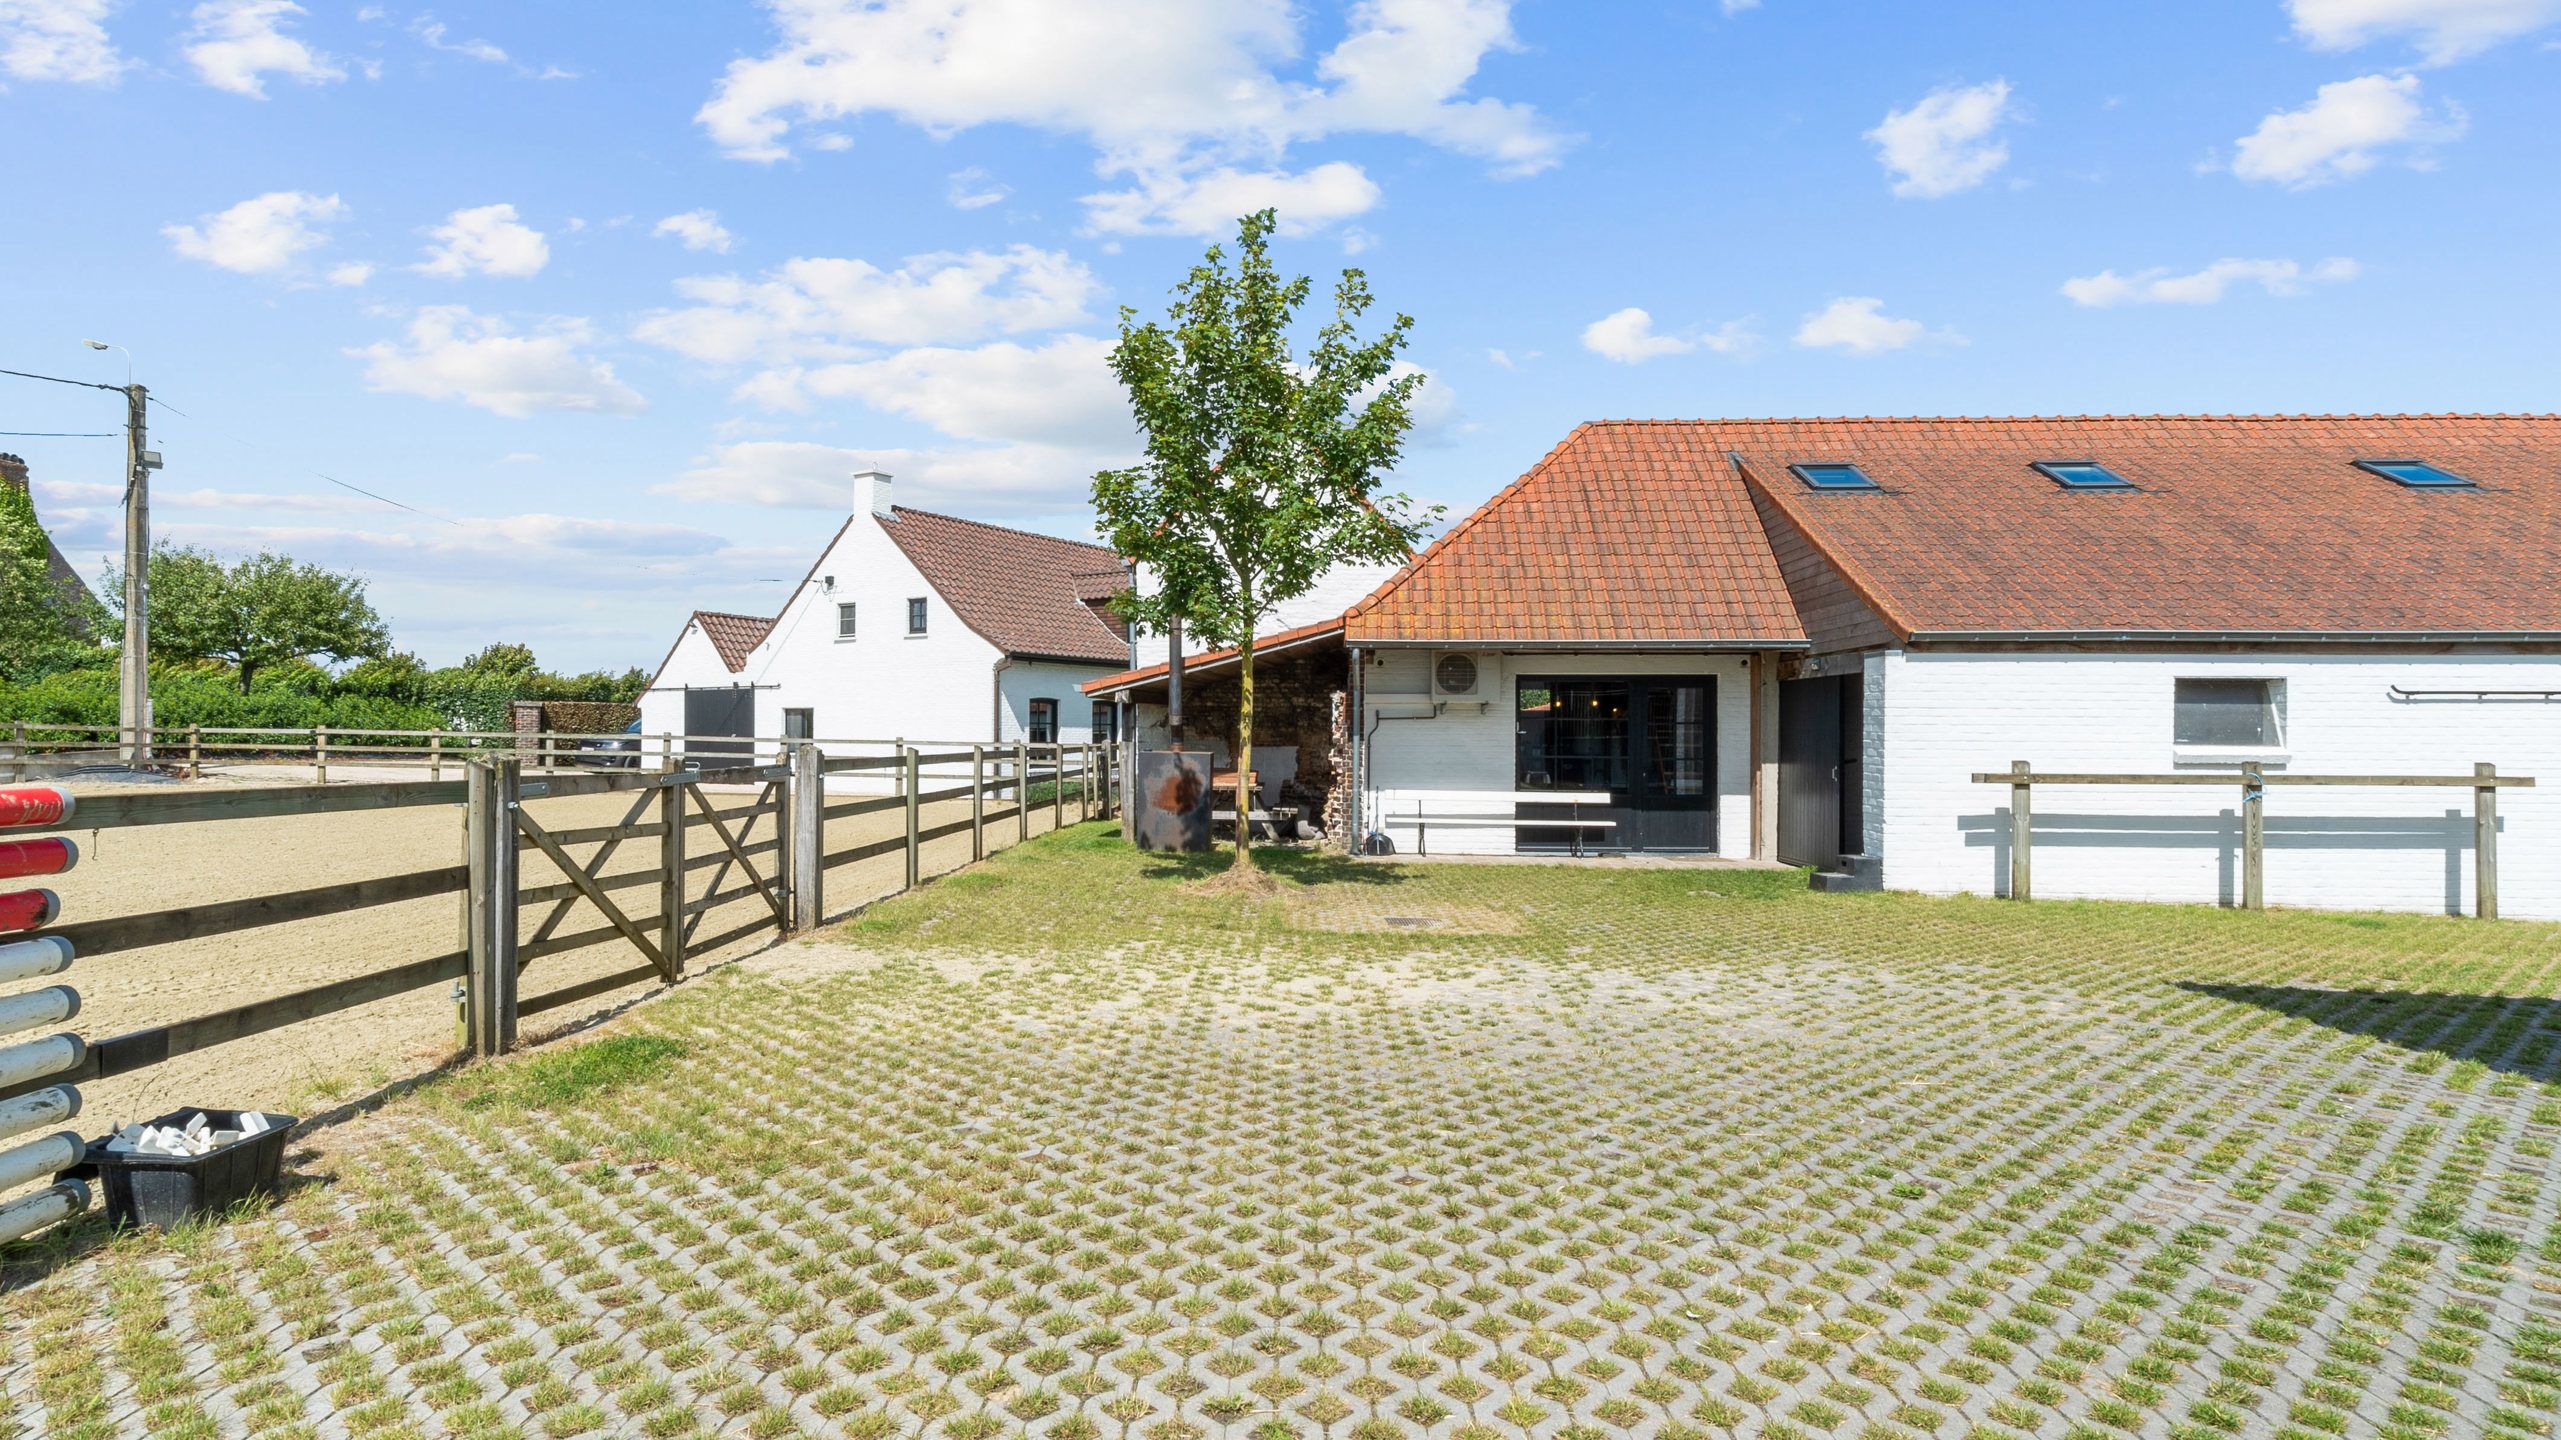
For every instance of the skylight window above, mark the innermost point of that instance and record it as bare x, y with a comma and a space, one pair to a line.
2081, 475
1832, 477
2417, 474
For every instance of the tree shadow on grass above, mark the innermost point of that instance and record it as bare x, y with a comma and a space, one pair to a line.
2512, 1034
1302, 868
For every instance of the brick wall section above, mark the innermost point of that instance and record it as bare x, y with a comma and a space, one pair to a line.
1835, 618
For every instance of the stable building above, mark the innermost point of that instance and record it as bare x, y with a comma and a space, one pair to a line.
1802, 640
909, 625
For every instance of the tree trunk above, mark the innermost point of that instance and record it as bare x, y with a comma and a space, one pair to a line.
1245, 753
248, 671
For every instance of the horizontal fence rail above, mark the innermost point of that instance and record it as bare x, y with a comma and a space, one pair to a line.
713, 836
2485, 782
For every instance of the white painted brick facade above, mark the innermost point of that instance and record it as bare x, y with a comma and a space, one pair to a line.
1936, 719
1438, 763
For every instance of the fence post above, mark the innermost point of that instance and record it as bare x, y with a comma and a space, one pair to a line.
1084, 783
2254, 837
1022, 792
915, 855
195, 752
2020, 829
2485, 843
671, 878
1057, 786
899, 773
17, 751
977, 802
319, 754
491, 819
436, 756
808, 831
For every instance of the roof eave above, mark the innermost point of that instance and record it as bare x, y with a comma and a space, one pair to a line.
1692, 645
2229, 637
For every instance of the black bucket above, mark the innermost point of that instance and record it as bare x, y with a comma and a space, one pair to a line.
167, 1190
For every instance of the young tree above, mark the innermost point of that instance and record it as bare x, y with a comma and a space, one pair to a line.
261, 611
1262, 468
43, 621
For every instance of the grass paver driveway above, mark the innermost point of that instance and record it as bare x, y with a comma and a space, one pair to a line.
1066, 1147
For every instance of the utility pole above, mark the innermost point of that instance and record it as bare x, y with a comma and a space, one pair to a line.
133, 702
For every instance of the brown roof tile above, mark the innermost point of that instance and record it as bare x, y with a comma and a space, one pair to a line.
1624, 533
734, 636
1024, 593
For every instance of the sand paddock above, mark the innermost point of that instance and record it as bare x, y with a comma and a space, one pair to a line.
308, 1066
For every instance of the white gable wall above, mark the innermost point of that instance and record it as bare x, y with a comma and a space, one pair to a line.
1936, 719
693, 662
1441, 764
1027, 680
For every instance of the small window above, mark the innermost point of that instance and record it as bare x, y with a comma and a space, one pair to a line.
2229, 714
1044, 721
1832, 477
916, 616
799, 725
844, 622
1106, 721
2417, 474
2081, 475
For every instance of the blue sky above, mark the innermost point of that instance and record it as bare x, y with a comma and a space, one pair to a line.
616, 296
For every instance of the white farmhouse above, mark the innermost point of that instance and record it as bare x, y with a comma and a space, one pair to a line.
913, 626
1802, 640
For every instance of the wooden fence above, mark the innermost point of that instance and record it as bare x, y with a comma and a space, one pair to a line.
2485, 782
769, 849
36, 749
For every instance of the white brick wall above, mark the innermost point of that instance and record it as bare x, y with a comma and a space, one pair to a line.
1438, 762
1945, 717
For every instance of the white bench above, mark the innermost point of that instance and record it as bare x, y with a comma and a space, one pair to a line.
1575, 822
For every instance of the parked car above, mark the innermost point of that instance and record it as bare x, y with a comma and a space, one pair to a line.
622, 752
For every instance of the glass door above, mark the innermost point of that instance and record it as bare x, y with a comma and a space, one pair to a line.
1675, 795
1648, 744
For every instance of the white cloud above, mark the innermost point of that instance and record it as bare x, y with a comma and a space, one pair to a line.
432, 33
1858, 324
830, 308
1628, 337
2444, 30
452, 354
59, 40
235, 44
973, 480
2158, 286
698, 230
73, 492
1060, 392
263, 235
1163, 89
1944, 143
1208, 202
1737, 7
352, 273
485, 240
975, 189
2343, 132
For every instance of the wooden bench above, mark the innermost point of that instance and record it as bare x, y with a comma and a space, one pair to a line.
1575, 822
1280, 822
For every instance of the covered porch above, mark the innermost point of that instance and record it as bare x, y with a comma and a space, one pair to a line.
1302, 728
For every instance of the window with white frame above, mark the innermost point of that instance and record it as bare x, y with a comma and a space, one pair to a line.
844, 622
2222, 714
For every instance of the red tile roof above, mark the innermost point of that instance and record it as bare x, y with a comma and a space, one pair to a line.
734, 636
1626, 533
2255, 524
1289, 639
1634, 531
1023, 593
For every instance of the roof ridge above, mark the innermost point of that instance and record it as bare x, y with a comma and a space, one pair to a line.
897, 510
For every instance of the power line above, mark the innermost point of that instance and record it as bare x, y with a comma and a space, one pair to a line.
63, 434
58, 380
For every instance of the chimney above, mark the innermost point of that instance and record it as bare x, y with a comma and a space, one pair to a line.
871, 492
13, 471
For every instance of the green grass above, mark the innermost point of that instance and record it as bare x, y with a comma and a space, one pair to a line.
1069, 1147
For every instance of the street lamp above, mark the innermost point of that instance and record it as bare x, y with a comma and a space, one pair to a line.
133, 688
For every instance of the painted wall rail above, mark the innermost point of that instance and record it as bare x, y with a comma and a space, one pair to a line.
2485, 782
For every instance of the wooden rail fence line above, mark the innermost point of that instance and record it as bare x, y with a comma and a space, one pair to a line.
783, 869
2485, 782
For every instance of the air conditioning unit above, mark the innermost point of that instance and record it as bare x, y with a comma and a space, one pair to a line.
1457, 676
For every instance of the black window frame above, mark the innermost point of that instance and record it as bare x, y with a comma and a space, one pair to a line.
1860, 481
1040, 706
2056, 471
805, 717
1106, 722
916, 614
2385, 468
846, 619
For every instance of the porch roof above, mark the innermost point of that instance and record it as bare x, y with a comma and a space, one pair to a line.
1120, 686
